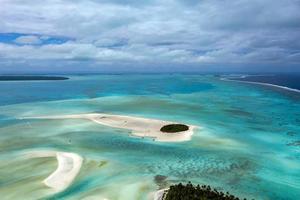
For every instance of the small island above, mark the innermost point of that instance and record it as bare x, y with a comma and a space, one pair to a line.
154, 129
31, 78
191, 192
174, 128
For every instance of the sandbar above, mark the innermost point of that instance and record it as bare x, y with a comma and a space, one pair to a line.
69, 165
139, 127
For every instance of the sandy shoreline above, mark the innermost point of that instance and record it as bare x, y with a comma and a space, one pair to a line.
140, 127
69, 165
159, 195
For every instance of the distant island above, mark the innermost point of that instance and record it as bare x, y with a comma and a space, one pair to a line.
30, 78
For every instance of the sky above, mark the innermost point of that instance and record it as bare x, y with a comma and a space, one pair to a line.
149, 35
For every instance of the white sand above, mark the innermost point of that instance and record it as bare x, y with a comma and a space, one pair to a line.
140, 127
69, 165
158, 195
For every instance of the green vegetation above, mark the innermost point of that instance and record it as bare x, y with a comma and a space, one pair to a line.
191, 192
31, 78
173, 128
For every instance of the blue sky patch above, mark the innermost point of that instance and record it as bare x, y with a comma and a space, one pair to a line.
10, 38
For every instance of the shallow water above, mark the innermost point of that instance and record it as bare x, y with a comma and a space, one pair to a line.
247, 143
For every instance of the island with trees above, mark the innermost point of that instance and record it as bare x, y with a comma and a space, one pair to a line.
192, 192
31, 78
174, 128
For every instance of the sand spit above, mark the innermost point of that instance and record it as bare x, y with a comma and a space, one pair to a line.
69, 165
140, 127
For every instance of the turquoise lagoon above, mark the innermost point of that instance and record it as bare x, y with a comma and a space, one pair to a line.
248, 143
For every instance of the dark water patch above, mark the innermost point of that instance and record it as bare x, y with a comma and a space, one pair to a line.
161, 181
237, 112
291, 133
259, 128
295, 143
258, 120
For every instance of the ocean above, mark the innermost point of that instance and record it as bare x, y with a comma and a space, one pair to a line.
285, 81
248, 143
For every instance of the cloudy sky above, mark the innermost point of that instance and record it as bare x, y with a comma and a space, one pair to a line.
116, 35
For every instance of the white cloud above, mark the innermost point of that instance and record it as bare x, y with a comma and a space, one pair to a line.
167, 31
29, 39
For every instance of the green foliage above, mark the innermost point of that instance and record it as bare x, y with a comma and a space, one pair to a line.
173, 128
190, 192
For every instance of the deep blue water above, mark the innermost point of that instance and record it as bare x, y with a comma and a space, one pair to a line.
286, 80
